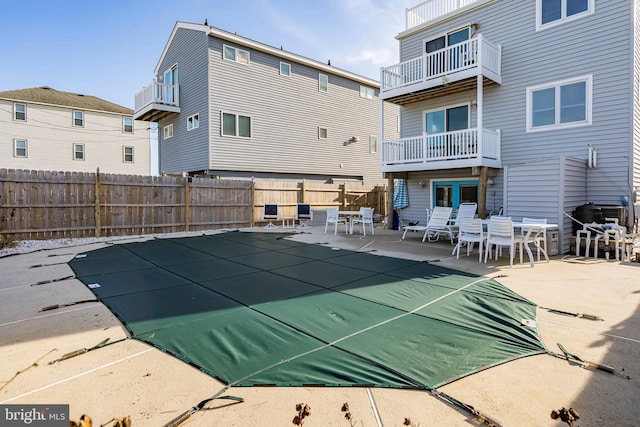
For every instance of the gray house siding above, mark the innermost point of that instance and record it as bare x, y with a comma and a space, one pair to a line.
186, 150
286, 112
531, 57
636, 100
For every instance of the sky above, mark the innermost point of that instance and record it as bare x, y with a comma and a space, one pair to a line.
109, 48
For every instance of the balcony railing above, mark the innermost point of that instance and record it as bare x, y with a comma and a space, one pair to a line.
466, 147
436, 66
433, 9
158, 93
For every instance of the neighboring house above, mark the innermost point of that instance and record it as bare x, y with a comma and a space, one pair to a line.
46, 129
531, 106
231, 107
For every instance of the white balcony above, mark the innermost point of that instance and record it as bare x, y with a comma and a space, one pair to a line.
448, 150
431, 10
155, 101
442, 68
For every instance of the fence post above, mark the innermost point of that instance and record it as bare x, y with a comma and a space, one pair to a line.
253, 201
344, 196
97, 203
187, 208
303, 190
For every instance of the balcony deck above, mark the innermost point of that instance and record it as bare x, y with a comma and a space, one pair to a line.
156, 101
449, 150
446, 69
431, 10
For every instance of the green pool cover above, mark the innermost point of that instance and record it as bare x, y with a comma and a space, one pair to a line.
261, 309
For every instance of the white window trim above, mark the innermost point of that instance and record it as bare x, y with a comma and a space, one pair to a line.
73, 118
320, 128
369, 92
124, 154
15, 111
236, 59
591, 9
124, 124
557, 84
84, 152
445, 108
320, 76
288, 66
15, 148
193, 124
237, 116
167, 131
373, 139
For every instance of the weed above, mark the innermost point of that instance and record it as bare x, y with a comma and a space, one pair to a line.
7, 242
304, 411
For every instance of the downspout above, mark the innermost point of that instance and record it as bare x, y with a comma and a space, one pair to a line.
482, 188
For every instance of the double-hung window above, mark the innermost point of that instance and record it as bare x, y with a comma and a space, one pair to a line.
323, 82
127, 154
167, 131
231, 53
236, 125
78, 118
285, 69
566, 103
373, 144
20, 112
193, 122
554, 12
78, 151
367, 92
20, 148
127, 124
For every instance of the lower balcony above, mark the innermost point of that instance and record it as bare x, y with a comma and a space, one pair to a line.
156, 101
448, 150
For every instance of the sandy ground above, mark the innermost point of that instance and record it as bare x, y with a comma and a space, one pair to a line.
129, 378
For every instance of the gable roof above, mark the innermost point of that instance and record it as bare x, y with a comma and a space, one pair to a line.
279, 52
50, 96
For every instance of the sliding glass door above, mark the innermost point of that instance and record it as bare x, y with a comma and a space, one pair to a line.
452, 193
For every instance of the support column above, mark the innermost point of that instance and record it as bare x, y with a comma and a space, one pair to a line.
390, 191
482, 192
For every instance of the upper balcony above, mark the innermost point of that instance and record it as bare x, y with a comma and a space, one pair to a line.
156, 101
450, 69
447, 150
431, 10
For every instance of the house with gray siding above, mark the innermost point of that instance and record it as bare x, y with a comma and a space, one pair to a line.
231, 107
527, 106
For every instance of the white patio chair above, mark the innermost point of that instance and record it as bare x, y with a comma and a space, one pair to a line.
439, 224
416, 227
500, 233
465, 210
540, 239
333, 217
270, 213
304, 214
470, 231
365, 218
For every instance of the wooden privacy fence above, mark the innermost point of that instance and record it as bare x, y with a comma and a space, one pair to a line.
49, 205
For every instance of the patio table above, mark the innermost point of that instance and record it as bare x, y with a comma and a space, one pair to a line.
350, 215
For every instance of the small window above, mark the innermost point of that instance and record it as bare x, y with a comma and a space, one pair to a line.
78, 118
566, 103
323, 82
236, 55
323, 133
550, 13
285, 69
20, 148
168, 131
78, 151
236, 125
127, 154
367, 92
373, 144
193, 122
20, 112
127, 124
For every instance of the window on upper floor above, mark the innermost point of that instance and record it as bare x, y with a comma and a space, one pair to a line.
127, 154
78, 151
285, 69
127, 124
78, 118
193, 122
367, 92
167, 131
20, 112
20, 148
236, 125
550, 13
373, 144
323, 133
231, 53
561, 104
323, 82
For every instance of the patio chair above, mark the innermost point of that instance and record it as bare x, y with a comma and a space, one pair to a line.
270, 213
366, 218
416, 226
465, 210
500, 233
470, 231
439, 224
541, 238
304, 214
333, 217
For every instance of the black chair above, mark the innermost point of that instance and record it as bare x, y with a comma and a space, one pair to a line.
270, 214
304, 214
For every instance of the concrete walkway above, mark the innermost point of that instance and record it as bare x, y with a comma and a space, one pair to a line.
129, 378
